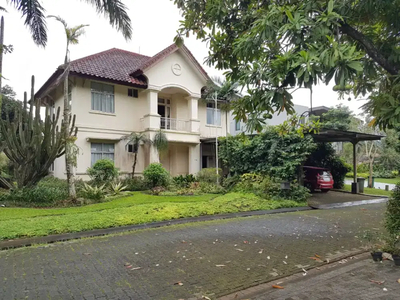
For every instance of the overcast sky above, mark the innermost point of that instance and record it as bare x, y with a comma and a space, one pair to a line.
154, 25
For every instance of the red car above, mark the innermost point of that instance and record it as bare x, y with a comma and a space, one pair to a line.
318, 179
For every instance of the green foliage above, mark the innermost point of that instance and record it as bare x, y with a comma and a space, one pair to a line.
393, 212
273, 46
48, 192
385, 174
268, 188
184, 181
139, 209
156, 176
160, 141
230, 182
209, 175
116, 188
93, 192
338, 118
9, 103
134, 184
34, 17
32, 143
210, 188
268, 153
325, 157
363, 175
103, 171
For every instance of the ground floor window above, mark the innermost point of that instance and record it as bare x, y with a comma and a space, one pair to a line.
102, 151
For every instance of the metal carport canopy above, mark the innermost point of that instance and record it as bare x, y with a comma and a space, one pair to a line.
333, 135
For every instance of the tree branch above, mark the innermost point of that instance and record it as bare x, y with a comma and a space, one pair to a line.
370, 48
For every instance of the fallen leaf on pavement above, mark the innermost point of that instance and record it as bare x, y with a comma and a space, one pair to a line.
239, 250
220, 265
277, 286
398, 280
127, 264
137, 268
87, 253
205, 297
377, 282
261, 251
385, 289
316, 255
285, 262
178, 283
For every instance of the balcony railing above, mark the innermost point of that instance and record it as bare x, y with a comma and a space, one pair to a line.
174, 124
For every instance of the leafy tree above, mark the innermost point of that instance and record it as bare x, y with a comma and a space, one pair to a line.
268, 153
135, 139
34, 14
72, 35
338, 118
10, 103
273, 46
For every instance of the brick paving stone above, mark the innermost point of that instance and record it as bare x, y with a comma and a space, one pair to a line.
351, 281
209, 258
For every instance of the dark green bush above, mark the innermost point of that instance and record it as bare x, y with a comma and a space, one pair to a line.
40, 196
230, 182
156, 176
270, 189
384, 174
103, 171
209, 175
393, 212
184, 181
134, 184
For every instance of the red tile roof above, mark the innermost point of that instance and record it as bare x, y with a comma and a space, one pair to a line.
115, 65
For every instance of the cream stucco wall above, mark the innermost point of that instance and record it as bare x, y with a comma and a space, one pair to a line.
130, 114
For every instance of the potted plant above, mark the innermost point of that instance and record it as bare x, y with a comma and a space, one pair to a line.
375, 248
393, 247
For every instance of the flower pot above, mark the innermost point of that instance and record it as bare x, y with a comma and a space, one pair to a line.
376, 256
396, 259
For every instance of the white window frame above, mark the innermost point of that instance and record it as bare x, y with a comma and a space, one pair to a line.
237, 125
104, 96
210, 114
102, 152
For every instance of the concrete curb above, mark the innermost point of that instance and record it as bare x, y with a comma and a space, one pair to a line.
350, 203
258, 289
18, 243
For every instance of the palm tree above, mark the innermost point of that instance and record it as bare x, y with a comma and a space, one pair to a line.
160, 141
72, 34
35, 20
135, 139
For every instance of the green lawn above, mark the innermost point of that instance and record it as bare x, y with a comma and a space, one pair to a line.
384, 180
136, 209
369, 191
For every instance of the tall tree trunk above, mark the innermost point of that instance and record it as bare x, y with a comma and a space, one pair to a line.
371, 164
134, 164
1, 57
68, 147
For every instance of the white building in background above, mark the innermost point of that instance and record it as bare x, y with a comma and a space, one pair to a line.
237, 127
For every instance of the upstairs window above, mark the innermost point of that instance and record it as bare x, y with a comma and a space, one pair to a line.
102, 97
213, 115
133, 93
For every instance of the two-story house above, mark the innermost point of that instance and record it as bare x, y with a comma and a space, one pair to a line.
116, 92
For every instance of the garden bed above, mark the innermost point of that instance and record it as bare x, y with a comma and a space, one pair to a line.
137, 209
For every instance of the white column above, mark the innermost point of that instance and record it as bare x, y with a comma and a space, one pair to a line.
193, 105
194, 159
154, 156
152, 118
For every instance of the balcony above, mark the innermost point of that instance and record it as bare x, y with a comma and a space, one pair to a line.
174, 124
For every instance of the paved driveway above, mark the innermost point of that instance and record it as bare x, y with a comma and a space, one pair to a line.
186, 261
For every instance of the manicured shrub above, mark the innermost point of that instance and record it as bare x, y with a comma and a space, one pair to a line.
211, 188
270, 189
103, 171
156, 176
209, 175
183, 181
134, 184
